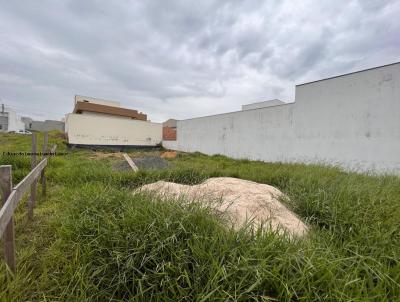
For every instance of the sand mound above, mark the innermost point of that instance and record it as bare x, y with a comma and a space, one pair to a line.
244, 201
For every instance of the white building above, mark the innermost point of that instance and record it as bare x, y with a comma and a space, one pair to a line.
10, 120
352, 120
105, 123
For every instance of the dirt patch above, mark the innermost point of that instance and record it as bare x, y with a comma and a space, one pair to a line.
102, 155
169, 154
244, 202
143, 163
145, 153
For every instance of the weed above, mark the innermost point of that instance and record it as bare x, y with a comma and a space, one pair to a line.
92, 239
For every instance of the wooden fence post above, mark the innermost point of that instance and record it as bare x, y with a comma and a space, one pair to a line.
43, 175
32, 199
8, 235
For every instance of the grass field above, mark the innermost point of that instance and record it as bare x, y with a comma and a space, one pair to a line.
93, 240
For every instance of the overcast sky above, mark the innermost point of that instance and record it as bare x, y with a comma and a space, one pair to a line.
181, 59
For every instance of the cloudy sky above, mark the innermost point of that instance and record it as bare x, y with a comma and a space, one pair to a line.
184, 58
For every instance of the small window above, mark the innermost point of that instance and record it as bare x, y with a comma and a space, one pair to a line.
1, 127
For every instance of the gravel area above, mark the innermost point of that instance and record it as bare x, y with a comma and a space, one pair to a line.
150, 163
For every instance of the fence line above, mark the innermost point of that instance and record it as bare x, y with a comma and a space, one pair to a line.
32, 197
12, 197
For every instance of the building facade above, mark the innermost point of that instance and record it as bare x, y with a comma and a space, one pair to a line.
105, 123
169, 130
10, 121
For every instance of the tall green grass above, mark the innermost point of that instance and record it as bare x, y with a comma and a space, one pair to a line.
94, 240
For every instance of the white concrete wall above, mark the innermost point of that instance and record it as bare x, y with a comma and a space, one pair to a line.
352, 120
264, 104
172, 145
252, 134
103, 130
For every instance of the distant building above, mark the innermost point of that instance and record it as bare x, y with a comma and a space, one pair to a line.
169, 130
105, 123
10, 120
47, 125
170, 123
27, 122
264, 104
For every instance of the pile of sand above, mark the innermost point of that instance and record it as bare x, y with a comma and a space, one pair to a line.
244, 202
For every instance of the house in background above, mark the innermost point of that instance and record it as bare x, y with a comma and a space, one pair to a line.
27, 122
170, 123
97, 122
10, 120
169, 130
45, 126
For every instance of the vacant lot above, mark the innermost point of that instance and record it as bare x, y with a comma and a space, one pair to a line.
93, 240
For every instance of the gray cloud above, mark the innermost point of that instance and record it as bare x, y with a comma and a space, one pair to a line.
184, 58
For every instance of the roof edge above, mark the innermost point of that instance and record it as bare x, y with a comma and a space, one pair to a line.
106, 109
346, 74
